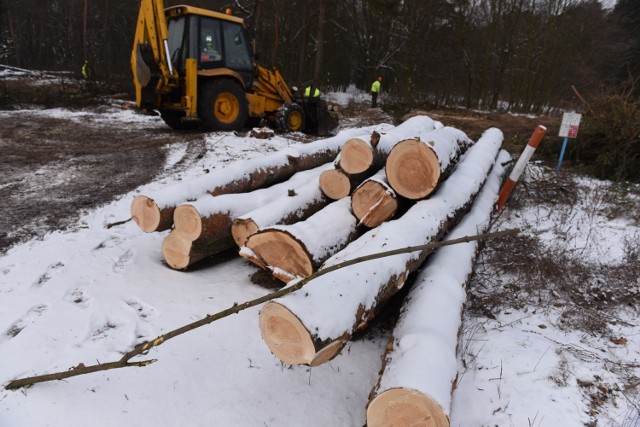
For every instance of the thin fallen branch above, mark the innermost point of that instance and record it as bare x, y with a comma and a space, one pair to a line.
144, 347
113, 224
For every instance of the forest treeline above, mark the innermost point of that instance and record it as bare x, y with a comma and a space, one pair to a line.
521, 55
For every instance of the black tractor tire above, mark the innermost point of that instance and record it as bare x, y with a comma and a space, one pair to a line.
222, 105
173, 119
290, 118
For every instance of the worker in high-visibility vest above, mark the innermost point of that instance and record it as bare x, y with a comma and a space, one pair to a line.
307, 92
375, 90
86, 70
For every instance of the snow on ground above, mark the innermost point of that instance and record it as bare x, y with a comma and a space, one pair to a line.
89, 294
522, 367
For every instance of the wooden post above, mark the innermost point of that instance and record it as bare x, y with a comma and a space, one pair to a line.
528, 151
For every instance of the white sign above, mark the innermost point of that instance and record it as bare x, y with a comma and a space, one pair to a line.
570, 125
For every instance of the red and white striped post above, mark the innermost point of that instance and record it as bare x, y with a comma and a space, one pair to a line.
510, 183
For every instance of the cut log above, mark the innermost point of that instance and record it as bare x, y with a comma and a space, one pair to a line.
339, 303
374, 201
416, 166
297, 205
420, 366
335, 184
179, 252
203, 227
297, 250
361, 154
155, 212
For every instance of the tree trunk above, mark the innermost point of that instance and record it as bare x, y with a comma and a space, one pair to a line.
374, 201
203, 228
297, 250
85, 42
423, 375
287, 209
416, 166
311, 327
17, 43
317, 70
155, 212
302, 56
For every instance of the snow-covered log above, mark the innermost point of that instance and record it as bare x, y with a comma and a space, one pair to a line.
416, 166
360, 154
297, 250
203, 227
154, 212
420, 366
312, 326
295, 206
374, 201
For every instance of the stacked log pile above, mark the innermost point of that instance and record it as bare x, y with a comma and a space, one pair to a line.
298, 250
154, 212
204, 227
363, 155
311, 327
433, 175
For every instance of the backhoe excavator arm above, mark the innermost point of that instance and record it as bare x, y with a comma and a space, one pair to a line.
150, 62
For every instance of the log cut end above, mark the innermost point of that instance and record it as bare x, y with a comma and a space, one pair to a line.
176, 250
413, 169
372, 204
281, 251
335, 184
285, 335
356, 156
188, 221
400, 407
241, 229
327, 353
145, 213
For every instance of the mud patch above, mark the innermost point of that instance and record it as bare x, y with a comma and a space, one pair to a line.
57, 164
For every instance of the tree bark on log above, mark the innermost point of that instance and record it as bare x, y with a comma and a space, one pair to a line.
203, 228
297, 250
359, 156
374, 201
420, 366
155, 212
338, 304
297, 205
416, 166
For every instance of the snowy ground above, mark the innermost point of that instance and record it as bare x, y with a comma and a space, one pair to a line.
90, 293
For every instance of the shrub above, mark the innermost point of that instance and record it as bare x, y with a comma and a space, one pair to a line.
608, 145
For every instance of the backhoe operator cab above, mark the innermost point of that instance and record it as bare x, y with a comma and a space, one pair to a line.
195, 67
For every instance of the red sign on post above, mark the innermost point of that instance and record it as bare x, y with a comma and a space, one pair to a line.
573, 131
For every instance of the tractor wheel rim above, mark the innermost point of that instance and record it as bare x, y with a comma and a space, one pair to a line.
226, 108
295, 121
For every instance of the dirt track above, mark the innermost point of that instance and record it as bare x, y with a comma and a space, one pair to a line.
53, 168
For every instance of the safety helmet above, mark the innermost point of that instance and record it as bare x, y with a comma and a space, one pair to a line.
379, 78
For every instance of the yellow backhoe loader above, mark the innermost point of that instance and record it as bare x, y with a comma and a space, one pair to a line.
195, 67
